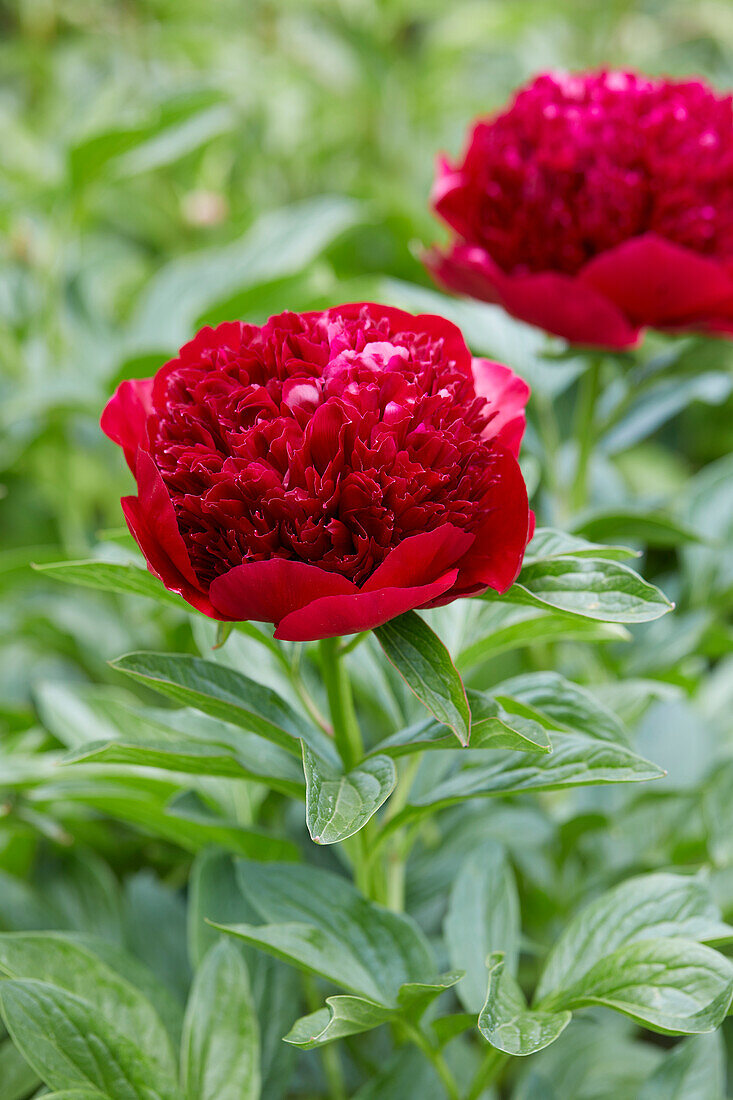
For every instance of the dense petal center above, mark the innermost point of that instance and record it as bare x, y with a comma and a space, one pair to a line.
322, 438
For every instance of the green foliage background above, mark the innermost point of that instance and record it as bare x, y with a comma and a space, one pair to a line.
167, 163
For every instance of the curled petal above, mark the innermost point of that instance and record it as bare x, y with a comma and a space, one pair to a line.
561, 304
656, 282
336, 615
419, 559
495, 558
268, 591
125, 415
506, 393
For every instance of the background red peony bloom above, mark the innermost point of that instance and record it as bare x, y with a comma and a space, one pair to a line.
596, 205
326, 471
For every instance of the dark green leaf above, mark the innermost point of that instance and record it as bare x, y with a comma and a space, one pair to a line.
423, 661
220, 1047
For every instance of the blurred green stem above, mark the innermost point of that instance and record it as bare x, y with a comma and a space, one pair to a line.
330, 1057
346, 730
488, 1072
585, 431
420, 1039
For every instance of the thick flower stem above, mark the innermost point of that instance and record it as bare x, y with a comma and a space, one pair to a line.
585, 431
343, 717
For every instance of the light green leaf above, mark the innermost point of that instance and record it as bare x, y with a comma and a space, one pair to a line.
337, 803
506, 626
348, 1015
482, 918
605, 590
227, 695
425, 664
71, 1045
113, 577
674, 986
507, 1023
345, 1015
76, 1094
17, 1077
645, 907
562, 704
658, 403
649, 526
319, 923
693, 1070
220, 1046
492, 727
547, 542
575, 761
71, 965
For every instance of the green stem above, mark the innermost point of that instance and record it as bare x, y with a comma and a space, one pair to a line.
488, 1072
585, 431
420, 1039
343, 717
330, 1058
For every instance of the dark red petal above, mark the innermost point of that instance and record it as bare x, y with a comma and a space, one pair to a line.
158, 561
125, 415
495, 558
419, 559
267, 591
507, 395
160, 517
334, 616
560, 304
656, 282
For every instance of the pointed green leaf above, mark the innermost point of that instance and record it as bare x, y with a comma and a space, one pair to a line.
647, 906
108, 576
562, 704
575, 761
505, 626
649, 526
338, 803
492, 727
507, 1023
694, 1070
550, 543
71, 965
348, 1015
482, 918
227, 695
220, 1052
605, 590
318, 922
674, 986
71, 1045
425, 664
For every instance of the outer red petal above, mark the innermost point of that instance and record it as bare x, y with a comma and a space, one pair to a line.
267, 591
507, 395
495, 558
561, 304
656, 282
336, 615
419, 559
125, 416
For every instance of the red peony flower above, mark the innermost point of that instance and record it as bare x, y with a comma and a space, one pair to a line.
596, 205
326, 471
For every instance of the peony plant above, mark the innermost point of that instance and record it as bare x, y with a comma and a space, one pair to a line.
337, 505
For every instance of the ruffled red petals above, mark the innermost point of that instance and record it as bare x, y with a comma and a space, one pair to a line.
595, 205
325, 471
